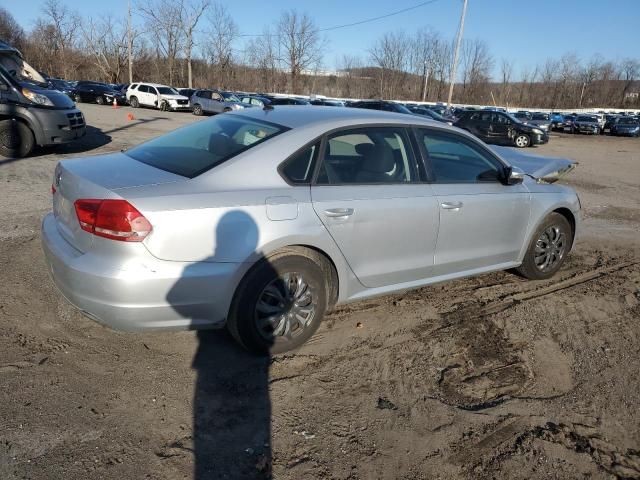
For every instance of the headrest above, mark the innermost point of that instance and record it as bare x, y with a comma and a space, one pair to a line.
220, 144
364, 149
379, 160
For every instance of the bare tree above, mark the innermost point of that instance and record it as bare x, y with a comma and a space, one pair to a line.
300, 42
164, 20
506, 71
476, 67
222, 34
191, 14
106, 42
10, 30
390, 55
262, 52
63, 28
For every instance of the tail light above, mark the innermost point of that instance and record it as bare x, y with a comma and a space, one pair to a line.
114, 219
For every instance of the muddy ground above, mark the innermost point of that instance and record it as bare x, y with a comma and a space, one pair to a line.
488, 377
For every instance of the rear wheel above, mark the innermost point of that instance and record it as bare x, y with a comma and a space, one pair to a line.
548, 249
280, 302
77, 98
522, 140
16, 139
197, 109
133, 101
100, 100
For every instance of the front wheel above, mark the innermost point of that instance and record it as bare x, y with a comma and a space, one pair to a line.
548, 249
280, 302
16, 139
197, 109
522, 140
77, 98
100, 100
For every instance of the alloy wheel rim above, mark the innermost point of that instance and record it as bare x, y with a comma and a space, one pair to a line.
550, 248
521, 141
9, 138
285, 307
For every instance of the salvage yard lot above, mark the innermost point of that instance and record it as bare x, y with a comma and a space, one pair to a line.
488, 377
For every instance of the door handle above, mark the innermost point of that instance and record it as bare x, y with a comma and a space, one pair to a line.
451, 205
339, 212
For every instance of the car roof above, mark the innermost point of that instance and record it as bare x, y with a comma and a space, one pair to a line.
296, 116
153, 84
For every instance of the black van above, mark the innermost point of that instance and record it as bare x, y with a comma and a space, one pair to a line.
31, 113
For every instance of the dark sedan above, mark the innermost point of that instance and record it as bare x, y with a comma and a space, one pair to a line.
100, 93
586, 124
501, 128
626, 127
425, 112
381, 105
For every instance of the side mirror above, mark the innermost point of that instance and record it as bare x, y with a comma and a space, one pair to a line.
513, 176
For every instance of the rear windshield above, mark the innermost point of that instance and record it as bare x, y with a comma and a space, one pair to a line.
540, 116
198, 147
586, 119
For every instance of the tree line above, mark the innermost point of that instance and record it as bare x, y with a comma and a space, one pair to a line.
197, 43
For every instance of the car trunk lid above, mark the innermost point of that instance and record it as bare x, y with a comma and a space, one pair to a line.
100, 177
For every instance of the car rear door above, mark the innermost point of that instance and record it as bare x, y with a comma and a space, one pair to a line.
482, 221
369, 197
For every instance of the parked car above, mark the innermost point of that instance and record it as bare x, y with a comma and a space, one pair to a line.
31, 113
326, 102
501, 128
425, 112
186, 92
255, 100
540, 120
288, 101
61, 85
156, 96
524, 117
95, 92
557, 121
272, 217
568, 122
381, 105
588, 124
626, 126
212, 101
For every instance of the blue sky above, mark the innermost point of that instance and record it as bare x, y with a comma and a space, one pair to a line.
526, 32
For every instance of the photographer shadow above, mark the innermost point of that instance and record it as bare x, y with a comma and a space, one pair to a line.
231, 403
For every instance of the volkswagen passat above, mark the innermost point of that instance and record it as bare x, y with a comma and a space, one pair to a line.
262, 220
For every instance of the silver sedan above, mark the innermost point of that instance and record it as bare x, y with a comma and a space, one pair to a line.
263, 220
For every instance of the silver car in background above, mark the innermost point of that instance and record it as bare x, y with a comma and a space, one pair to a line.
263, 220
214, 101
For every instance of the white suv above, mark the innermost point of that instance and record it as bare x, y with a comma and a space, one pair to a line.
156, 96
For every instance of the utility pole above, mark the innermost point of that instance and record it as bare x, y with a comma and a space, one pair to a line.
455, 54
426, 79
129, 43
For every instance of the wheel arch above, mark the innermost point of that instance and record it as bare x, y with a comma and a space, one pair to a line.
568, 214
32, 124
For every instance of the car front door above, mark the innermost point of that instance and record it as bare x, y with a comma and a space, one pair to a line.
501, 128
368, 195
482, 221
215, 104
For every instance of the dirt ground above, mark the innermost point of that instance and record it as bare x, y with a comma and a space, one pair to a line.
488, 377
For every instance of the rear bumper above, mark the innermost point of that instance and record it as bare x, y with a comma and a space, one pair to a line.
140, 293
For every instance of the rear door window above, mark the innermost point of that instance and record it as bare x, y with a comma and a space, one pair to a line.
198, 147
372, 155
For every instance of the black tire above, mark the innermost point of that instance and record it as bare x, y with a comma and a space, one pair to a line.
197, 109
133, 101
16, 139
242, 321
77, 98
522, 140
530, 267
100, 100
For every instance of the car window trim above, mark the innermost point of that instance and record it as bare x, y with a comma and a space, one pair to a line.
283, 164
481, 147
325, 140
